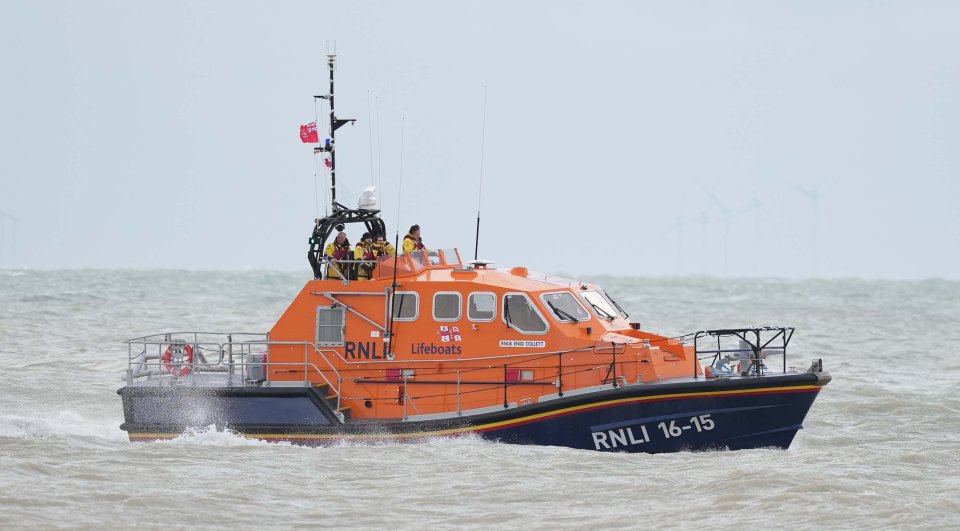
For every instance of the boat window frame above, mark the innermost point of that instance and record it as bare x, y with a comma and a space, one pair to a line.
575, 299
623, 313
493, 317
503, 314
617, 313
416, 313
459, 307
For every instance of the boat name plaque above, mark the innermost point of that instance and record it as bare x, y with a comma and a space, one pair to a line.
520, 343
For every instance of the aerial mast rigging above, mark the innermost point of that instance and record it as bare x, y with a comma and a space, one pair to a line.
330, 144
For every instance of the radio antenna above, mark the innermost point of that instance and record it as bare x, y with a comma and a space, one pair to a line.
396, 255
370, 135
379, 159
483, 138
335, 123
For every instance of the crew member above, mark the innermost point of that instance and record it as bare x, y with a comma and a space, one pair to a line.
382, 248
364, 251
412, 241
338, 249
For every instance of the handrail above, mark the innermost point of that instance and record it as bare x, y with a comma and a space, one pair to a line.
333, 361
757, 347
458, 360
224, 349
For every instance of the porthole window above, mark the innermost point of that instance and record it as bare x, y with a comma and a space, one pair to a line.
520, 314
406, 306
446, 306
482, 307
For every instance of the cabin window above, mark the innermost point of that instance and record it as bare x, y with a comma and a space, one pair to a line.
601, 306
446, 306
564, 307
330, 326
406, 306
482, 307
520, 314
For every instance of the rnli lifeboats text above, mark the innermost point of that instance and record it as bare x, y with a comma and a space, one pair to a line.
367, 350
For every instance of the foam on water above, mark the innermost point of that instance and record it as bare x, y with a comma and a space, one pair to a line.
213, 436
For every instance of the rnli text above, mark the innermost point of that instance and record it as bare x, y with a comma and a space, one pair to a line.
366, 350
621, 437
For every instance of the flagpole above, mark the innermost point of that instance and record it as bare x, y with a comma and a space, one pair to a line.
331, 144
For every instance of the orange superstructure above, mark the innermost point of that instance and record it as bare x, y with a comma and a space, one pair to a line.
457, 326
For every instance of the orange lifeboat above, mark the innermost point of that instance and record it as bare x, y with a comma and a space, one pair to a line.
428, 344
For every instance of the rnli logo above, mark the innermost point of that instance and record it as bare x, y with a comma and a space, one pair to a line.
449, 333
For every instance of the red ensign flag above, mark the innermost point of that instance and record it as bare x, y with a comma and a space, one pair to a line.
308, 133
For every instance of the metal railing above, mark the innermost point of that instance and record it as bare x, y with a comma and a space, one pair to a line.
405, 263
221, 353
753, 346
208, 353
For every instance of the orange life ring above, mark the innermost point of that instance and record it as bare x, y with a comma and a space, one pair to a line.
186, 360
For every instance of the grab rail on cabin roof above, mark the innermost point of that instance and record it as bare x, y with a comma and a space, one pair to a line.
407, 264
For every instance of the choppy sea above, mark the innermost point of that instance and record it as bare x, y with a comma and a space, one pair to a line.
880, 448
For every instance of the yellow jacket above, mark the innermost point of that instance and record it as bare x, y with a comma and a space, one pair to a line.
383, 249
412, 243
338, 252
364, 252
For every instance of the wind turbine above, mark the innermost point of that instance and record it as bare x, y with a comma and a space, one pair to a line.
726, 212
755, 207
678, 226
703, 235
814, 196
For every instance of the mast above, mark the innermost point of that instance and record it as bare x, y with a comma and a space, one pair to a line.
340, 215
330, 144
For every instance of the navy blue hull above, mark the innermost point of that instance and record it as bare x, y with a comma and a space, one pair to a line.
696, 423
696, 415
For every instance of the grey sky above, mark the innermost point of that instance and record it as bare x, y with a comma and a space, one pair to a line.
164, 134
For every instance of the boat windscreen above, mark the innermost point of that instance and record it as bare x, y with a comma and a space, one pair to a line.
565, 307
451, 256
600, 305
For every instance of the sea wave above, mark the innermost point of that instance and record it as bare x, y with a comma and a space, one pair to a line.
214, 436
62, 424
